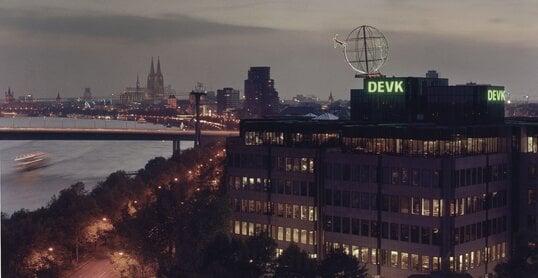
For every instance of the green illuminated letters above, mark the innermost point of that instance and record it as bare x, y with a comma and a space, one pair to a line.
496, 94
385, 86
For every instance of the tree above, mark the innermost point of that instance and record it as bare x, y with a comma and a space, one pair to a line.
524, 262
295, 263
340, 264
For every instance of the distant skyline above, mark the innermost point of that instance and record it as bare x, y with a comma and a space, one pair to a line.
68, 45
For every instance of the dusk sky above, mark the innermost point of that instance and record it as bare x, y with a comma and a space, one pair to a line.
48, 46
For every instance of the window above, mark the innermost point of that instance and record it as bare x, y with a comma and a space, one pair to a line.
355, 199
395, 176
414, 233
280, 233
436, 263
374, 229
346, 172
404, 204
288, 234
364, 255
346, 199
289, 211
345, 225
425, 263
304, 164
337, 224
355, 226
436, 236
404, 262
365, 227
415, 264
304, 237
416, 205
365, 200
385, 202
304, 212
405, 176
394, 258
394, 203
531, 197
425, 207
415, 178
436, 210
385, 230
404, 232
296, 235
296, 189
337, 198
425, 234
296, 212
328, 197
374, 256
394, 231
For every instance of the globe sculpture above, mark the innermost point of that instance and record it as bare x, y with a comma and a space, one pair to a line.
365, 50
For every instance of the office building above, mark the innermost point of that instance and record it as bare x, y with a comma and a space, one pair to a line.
227, 98
261, 98
425, 177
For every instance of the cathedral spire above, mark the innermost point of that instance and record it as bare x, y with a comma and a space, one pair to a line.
331, 99
137, 81
152, 70
158, 66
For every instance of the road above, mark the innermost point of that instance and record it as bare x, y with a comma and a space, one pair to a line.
96, 268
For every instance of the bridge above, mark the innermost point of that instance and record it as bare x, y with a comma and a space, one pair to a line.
115, 134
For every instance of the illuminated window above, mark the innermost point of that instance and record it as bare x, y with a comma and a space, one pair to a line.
304, 237
394, 258
296, 235
250, 229
289, 211
415, 263
416, 205
288, 234
355, 251
244, 228
311, 239
404, 262
436, 263
364, 255
311, 165
304, 164
425, 263
374, 256
425, 207
296, 212
345, 248
237, 227
436, 208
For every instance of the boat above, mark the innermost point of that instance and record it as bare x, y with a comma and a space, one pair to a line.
141, 120
31, 161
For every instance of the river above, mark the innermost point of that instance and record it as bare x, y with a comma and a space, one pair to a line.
69, 161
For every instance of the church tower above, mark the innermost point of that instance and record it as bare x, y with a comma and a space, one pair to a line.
155, 84
159, 82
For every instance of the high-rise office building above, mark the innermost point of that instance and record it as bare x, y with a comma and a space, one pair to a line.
261, 98
227, 98
428, 178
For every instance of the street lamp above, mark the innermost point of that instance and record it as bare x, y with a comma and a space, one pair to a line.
175, 179
51, 249
104, 219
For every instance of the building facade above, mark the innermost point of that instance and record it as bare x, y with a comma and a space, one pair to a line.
227, 98
261, 98
406, 194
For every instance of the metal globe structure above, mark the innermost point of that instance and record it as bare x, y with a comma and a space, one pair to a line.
365, 49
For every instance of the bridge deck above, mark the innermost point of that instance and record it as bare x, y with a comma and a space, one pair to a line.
45, 133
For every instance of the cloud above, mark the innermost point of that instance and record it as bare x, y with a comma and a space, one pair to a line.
118, 26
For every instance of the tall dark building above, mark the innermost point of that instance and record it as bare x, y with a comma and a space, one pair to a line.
227, 98
155, 84
261, 98
426, 177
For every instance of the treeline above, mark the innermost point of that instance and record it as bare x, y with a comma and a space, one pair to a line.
50, 240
